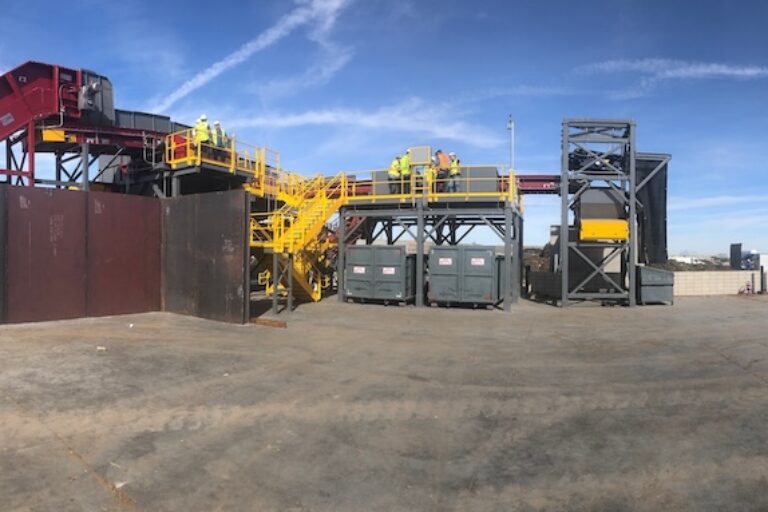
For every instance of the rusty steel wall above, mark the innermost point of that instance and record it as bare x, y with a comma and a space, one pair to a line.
3, 247
45, 254
205, 255
123, 254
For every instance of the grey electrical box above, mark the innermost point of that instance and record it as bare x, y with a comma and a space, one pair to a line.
465, 275
96, 99
380, 272
654, 286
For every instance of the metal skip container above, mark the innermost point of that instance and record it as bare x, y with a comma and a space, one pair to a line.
464, 275
655, 286
380, 272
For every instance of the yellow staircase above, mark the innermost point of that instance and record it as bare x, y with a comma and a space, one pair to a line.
297, 231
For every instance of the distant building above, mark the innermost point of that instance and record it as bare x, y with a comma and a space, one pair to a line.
688, 260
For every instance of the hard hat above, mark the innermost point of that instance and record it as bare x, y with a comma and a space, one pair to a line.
451, 154
203, 117
216, 123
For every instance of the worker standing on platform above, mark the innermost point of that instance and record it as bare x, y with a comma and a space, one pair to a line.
219, 135
202, 131
443, 167
405, 171
393, 173
454, 173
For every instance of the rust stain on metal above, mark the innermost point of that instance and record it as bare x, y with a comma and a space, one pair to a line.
46, 262
123, 254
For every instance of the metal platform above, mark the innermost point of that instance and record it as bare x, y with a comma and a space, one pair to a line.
440, 223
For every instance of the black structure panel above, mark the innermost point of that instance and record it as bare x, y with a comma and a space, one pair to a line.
652, 216
205, 256
123, 254
46, 254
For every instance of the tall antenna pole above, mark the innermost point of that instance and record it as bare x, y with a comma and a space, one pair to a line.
511, 128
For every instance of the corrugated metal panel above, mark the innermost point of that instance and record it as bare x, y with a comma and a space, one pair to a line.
123, 254
205, 256
46, 261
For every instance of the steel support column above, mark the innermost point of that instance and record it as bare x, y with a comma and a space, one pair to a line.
564, 209
508, 276
275, 283
419, 255
517, 255
86, 164
289, 283
342, 253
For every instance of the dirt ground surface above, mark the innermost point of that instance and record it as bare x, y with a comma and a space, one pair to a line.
373, 408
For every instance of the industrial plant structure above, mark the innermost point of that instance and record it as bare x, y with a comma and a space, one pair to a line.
172, 223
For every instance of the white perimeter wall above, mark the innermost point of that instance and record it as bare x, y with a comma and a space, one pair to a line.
718, 282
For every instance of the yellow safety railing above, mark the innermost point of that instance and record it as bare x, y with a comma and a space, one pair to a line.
184, 150
425, 183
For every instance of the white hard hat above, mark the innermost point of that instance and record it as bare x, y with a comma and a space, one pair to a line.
203, 117
216, 122
451, 154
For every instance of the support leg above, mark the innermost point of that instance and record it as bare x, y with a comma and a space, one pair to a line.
289, 284
342, 252
509, 284
275, 282
419, 257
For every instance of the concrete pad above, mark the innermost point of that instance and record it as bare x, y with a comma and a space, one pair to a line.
363, 407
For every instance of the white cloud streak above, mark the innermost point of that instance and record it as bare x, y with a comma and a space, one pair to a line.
714, 201
669, 68
659, 70
333, 59
411, 116
324, 12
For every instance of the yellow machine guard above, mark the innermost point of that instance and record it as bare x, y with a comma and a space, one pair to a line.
604, 229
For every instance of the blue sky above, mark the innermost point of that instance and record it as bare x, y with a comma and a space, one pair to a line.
346, 84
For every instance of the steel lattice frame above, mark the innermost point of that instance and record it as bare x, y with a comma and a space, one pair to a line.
608, 148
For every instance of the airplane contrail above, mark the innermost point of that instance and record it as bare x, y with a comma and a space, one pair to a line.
327, 10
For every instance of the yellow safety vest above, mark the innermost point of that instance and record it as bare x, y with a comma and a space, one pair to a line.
218, 136
394, 169
443, 163
429, 173
405, 165
202, 132
455, 167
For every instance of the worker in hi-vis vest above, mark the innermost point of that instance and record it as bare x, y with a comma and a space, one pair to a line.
454, 173
405, 171
202, 130
393, 173
219, 136
443, 167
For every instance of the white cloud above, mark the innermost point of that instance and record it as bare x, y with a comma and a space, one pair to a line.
324, 12
521, 90
411, 116
659, 70
333, 59
722, 200
669, 68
